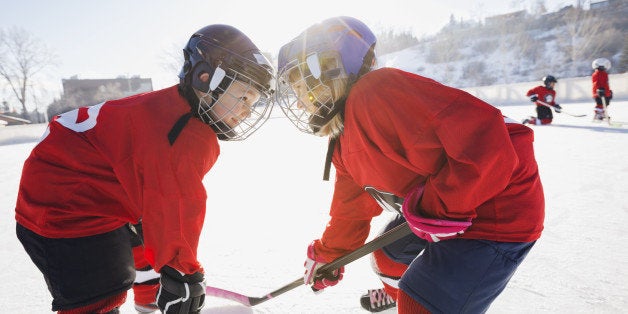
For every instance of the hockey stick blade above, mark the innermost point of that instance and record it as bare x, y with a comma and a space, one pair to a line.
561, 110
384, 239
574, 115
616, 124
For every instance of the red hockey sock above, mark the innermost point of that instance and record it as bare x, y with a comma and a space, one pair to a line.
388, 268
145, 293
103, 306
408, 305
146, 282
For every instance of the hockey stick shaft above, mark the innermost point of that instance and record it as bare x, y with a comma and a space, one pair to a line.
607, 117
384, 239
561, 110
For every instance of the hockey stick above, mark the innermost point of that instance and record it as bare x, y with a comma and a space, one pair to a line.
386, 238
606, 117
560, 110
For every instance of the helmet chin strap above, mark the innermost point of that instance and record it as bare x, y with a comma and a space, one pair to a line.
217, 82
367, 65
318, 121
188, 93
332, 141
330, 152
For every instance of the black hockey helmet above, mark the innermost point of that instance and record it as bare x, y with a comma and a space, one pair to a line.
549, 79
225, 47
224, 54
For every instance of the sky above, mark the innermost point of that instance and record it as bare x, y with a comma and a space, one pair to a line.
108, 39
262, 212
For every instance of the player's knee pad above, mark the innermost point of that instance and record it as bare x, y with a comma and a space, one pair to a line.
388, 270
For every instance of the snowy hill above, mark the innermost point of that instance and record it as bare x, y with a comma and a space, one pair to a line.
520, 47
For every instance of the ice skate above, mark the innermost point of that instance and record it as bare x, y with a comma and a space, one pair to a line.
377, 300
146, 308
529, 120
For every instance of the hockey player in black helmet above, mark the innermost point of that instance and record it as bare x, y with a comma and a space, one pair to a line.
543, 96
129, 212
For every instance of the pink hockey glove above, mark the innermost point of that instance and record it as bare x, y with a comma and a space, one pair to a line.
319, 281
432, 230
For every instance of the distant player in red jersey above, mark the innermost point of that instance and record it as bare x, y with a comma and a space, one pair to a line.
104, 175
464, 176
601, 90
544, 97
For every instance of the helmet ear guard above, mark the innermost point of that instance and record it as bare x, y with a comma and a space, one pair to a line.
196, 65
197, 82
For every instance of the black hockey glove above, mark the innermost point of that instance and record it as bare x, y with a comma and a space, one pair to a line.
534, 98
180, 294
601, 92
557, 108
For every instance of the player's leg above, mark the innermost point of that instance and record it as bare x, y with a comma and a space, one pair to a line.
461, 275
146, 283
84, 275
389, 263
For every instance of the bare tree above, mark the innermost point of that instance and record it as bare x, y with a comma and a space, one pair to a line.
584, 31
390, 41
173, 58
21, 58
623, 60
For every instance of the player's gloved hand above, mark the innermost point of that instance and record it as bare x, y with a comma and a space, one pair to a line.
534, 98
557, 108
601, 92
432, 230
180, 293
319, 281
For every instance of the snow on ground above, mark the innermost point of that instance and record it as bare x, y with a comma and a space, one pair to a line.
267, 202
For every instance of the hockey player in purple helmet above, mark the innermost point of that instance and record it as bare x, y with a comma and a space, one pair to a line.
468, 188
119, 184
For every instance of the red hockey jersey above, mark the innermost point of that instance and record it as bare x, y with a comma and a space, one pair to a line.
100, 167
402, 130
600, 80
544, 94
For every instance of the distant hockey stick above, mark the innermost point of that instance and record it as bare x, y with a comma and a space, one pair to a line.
386, 238
606, 117
560, 110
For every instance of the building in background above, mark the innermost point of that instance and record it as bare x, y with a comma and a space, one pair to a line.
87, 92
